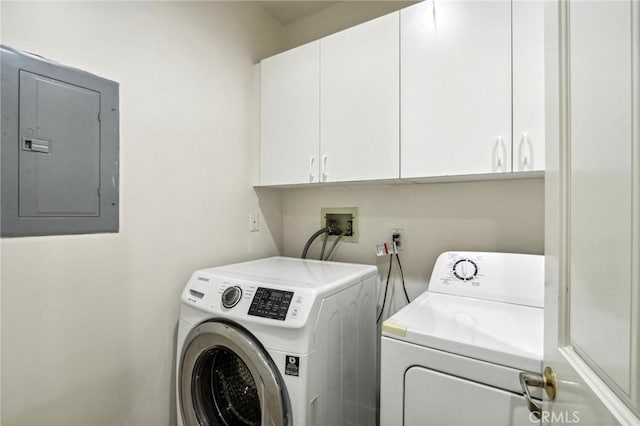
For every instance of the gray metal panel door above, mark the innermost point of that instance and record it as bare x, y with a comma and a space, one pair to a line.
60, 171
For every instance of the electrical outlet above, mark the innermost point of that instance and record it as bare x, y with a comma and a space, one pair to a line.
396, 237
253, 222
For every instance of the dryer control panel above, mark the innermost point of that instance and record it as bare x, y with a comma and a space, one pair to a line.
244, 300
501, 277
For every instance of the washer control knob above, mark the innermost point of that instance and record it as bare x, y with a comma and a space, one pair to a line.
465, 269
231, 296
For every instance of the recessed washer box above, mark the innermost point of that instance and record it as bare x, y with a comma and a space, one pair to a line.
59, 148
341, 218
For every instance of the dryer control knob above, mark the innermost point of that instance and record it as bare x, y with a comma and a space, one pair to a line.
231, 296
465, 269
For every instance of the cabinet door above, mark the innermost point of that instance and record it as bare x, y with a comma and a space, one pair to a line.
290, 128
360, 102
528, 86
456, 88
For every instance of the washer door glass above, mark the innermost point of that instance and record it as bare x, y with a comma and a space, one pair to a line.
224, 389
227, 378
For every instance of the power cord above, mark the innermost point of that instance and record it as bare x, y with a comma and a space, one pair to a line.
386, 287
404, 288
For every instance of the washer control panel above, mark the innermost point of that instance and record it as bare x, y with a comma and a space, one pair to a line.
271, 303
244, 300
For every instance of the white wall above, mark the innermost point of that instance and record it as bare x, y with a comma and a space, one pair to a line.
337, 17
88, 322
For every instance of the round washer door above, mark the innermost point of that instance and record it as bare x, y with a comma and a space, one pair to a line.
228, 378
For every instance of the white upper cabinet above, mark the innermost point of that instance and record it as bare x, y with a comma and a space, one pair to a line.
528, 86
359, 102
441, 88
456, 88
290, 120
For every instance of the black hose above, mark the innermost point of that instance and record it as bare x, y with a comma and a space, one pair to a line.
324, 244
312, 239
335, 243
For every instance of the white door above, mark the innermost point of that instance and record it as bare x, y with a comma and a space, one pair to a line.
289, 116
455, 88
592, 325
359, 98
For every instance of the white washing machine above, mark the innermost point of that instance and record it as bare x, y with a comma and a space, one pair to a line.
278, 341
453, 355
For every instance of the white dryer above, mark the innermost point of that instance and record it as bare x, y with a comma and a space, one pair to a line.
278, 341
453, 355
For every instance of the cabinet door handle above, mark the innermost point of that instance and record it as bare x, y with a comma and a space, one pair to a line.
525, 148
324, 168
312, 176
499, 156
526, 154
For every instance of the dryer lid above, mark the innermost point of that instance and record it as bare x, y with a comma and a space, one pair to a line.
496, 332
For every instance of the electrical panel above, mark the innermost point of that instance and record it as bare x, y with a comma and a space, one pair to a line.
59, 148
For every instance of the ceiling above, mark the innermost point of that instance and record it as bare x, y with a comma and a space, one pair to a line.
286, 12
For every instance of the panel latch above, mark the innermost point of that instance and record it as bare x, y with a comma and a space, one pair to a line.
36, 145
